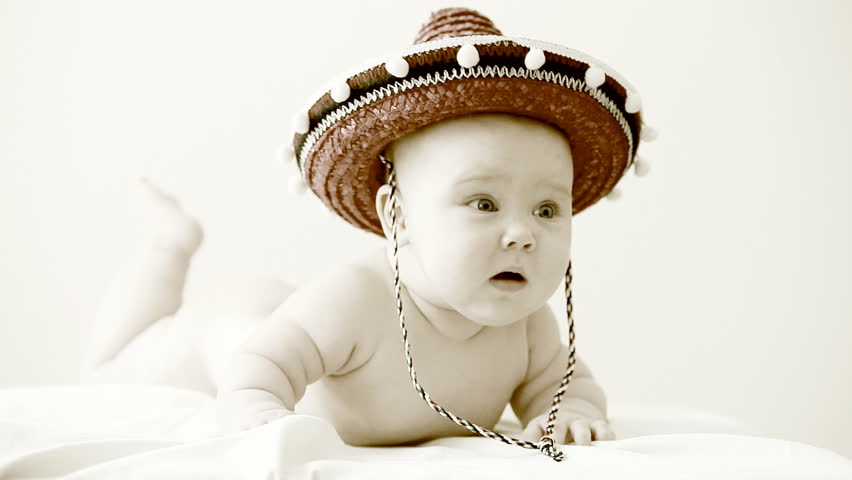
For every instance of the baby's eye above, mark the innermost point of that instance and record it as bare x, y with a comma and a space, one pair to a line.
484, 205
547, 210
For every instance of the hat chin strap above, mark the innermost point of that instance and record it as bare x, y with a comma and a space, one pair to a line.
546, 444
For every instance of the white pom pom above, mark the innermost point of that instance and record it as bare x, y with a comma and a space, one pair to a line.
301, 122
595, 77
296, 185
397, 67
633, 103
648, 133
340, 92
467, 56
614, 194
534, 59
641, 167
284, 153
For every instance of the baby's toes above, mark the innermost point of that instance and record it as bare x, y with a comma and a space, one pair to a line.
166, 223
151, 194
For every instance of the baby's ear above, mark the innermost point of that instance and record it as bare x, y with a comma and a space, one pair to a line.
383, 209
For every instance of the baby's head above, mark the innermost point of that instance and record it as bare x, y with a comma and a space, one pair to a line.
480, 195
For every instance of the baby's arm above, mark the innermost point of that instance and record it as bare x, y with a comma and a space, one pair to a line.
583, 406
317, 331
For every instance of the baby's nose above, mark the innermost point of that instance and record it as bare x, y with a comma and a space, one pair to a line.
518, 236
524, 245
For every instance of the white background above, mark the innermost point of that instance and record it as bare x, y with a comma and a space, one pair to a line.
721, 281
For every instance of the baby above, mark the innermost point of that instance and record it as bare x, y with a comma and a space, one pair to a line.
481, 337
457, 152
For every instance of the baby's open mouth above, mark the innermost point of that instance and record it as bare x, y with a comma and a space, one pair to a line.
509, 276
508, 281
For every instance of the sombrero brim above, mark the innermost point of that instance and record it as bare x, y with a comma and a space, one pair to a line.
338, 152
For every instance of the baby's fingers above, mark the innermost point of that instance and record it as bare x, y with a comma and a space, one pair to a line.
560, 433
536, 428
602, 431
581, 432
268, 416
533, 432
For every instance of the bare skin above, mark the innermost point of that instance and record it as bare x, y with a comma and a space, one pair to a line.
333, 348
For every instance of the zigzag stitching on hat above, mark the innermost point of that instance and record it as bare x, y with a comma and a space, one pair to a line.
473, 72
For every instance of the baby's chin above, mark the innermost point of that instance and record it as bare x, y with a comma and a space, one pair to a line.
498, 312
495, 317
492, 322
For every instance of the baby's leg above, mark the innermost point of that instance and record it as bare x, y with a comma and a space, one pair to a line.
145, 333
140, 304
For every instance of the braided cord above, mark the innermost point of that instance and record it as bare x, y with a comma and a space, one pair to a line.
546, 444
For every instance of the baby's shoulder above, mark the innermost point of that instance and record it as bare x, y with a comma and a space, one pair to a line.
348, 287
336, 304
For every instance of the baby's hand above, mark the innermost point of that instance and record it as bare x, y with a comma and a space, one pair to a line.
243, 410
248, 420
262, 418
570, 426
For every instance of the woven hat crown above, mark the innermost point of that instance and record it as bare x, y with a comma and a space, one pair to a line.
455, 22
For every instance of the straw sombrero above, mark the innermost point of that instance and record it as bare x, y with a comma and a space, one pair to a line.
461, 64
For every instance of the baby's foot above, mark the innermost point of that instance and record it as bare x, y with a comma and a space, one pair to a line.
166, 224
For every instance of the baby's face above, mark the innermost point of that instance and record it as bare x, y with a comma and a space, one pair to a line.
481, 195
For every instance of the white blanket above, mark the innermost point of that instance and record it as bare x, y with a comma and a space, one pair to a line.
150, 432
